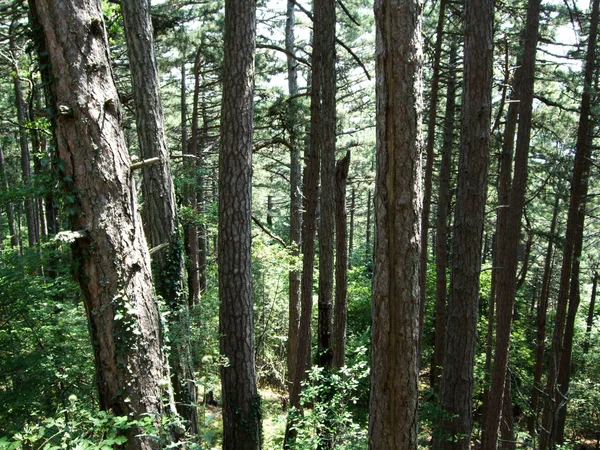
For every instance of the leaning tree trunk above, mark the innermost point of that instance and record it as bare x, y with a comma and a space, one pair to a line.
112, 260
159, 198
241, 402
457, 378
395, 302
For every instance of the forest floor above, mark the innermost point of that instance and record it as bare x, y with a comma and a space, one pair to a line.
274, 420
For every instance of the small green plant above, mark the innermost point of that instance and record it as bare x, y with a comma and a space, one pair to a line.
328, 397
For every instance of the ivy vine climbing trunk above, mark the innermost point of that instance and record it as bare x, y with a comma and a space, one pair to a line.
159, 202
113, 263
395, 300
241, 402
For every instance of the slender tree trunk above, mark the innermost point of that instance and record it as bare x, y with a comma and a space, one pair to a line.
509, 228
444, 196
113, 264
368, 244
591, 313
190, 230
457, 378
341, 262
542, 310
351, 232
30, 213
10, 215
430, 143
241, 402
395, 316
295, 192
159, 198
579, 187
323, 135
564, 370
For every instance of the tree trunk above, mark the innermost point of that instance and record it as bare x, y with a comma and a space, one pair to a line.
190, 230
323, 135
542, 310
351, 232
564, 370
241, 402
30, 212
509, 228
457, 378
395, 316
430, 143
444, 196
159, 197
113, 264
591, 313
341, 262
10, 215
295, 192
368, 246
579, 187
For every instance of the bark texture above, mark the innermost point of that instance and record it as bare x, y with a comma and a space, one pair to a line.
395, 301
295, 191
113, 262
341, 262
241, 402
457, 378
323, 136
509, 229
159, 201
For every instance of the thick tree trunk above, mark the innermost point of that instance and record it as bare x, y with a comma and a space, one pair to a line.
323, 135
295, 192
341, 262
579, 186
113, 266
159, 197
441, 243
457, 378
509, 228
241, 402
395, 316
542, 310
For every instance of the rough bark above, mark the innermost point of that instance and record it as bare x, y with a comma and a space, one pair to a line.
159, 199
323, 135
509, 229
295, 191
579, 187
341, 262
441, 243
241, 402
395, 301
113, 267
457, 378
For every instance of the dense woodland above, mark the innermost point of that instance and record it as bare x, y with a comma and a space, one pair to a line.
300, 225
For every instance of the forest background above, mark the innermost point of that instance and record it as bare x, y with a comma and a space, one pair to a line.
548, 331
